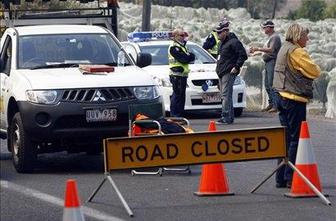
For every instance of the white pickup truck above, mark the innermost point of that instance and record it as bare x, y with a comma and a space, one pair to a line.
48, 103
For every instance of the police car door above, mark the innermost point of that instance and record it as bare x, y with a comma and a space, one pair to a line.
5, 67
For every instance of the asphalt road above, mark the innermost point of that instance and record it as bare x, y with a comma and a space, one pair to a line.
39, 196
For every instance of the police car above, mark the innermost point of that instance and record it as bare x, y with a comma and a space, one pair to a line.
202, 86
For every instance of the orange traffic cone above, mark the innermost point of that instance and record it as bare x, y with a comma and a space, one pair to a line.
305, 162
213, 180
72, 211
212, 126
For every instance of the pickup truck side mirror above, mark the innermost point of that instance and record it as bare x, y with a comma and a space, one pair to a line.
144, 59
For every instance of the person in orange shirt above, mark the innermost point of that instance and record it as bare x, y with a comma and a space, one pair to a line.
293, 80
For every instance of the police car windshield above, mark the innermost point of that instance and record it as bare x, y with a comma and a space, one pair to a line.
50, 51
160, 54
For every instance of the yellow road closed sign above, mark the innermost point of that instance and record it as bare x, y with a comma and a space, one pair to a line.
194, 148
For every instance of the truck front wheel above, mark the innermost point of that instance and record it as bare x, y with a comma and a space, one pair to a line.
23, 149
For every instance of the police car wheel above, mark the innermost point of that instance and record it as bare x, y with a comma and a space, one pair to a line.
238, 112
23, 149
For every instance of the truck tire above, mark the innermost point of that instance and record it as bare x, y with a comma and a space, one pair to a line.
24, 152
238, 111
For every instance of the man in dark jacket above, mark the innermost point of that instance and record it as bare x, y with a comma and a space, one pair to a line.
232, 56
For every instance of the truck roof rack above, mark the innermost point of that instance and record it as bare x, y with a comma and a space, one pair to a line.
103, 16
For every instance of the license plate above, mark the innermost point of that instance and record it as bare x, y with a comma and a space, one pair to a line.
211, 98
101, 115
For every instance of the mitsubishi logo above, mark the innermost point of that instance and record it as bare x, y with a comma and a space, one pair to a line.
209, 82
99, 96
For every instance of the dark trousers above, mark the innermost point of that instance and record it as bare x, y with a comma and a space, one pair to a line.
291, 114
226, 89
177, 100
269, 75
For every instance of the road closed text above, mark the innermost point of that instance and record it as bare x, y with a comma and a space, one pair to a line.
194, 148
197, 149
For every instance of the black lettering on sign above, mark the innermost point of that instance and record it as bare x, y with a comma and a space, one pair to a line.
172, 151
127, 152
223, 147
248, 144
157, 152
193, 150
144, 154
236, 146
263, 144
207, 151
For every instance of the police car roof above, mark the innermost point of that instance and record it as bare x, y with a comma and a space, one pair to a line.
59, 29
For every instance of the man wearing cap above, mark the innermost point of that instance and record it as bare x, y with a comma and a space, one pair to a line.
270, 52
211, 43
231, 57
179, 59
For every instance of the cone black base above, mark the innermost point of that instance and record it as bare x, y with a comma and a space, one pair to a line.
212, 194
293, 195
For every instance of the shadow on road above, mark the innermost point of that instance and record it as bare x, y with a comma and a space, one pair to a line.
63, 162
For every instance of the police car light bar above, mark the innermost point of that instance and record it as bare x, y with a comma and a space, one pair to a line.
149, 36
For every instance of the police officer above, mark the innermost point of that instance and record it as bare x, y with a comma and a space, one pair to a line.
212, 42
179, 59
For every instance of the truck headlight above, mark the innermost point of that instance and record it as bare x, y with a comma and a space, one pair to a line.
42, 97
149, 92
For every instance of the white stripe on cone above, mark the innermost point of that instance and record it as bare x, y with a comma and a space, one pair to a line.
305, 154
73, 214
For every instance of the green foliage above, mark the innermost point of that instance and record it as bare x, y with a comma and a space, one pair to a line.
311, 9
330, 12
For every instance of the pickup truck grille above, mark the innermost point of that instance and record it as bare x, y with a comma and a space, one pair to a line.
101, 95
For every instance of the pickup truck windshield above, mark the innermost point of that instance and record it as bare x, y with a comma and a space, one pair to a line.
160, 54
52, 51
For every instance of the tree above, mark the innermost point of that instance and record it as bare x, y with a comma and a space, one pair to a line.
312, 9
274, 8
330, 12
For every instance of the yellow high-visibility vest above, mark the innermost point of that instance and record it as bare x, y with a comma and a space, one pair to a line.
174, 63
214, 49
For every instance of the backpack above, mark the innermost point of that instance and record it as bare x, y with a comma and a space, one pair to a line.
170, 127
167, 126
